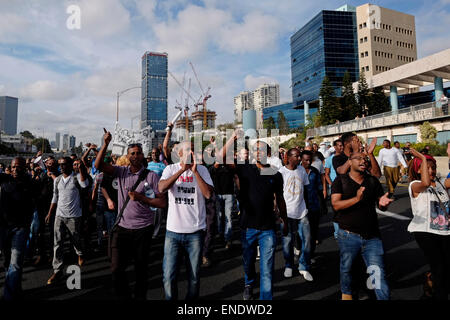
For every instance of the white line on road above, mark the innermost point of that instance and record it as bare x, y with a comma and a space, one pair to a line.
393, 215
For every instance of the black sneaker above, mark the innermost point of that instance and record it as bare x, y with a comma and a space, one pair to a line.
248, 293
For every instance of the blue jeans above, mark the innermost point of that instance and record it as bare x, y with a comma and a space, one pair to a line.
224, 205
189, 244
350, 244
267, 241
13, 242
301, 227
34, 233
110, 219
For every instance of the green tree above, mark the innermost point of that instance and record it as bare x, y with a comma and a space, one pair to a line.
27, 134
42, 145
269, 123
428, 133
363, 94
282, 123
349, 105
378, 102
330, 111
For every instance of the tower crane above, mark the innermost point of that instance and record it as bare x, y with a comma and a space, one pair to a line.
206, 96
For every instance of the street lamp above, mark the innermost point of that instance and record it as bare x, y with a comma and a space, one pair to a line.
119, 93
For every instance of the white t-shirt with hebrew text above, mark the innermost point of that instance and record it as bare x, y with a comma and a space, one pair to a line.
187, 210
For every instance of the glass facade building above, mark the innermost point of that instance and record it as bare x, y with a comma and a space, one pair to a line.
8, 114
326, 46
154, 90
294, 117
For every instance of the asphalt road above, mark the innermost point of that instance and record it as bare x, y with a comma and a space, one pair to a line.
405, 267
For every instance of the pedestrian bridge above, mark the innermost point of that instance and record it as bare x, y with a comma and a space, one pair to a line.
404, 116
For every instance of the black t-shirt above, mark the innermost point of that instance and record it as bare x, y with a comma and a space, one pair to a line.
18, 199
360, 218
111, 185
46, 193
339, 160
223, 179
408, 155
256, 197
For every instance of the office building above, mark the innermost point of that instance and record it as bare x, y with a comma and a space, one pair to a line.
65, 143
58, 141
154, 90
72, 141
386, 39
8, 115
294, 117
324, 46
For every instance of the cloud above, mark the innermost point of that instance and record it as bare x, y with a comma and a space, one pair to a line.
103, 18
108, 81
11, 23
46, 90
251, 82
258, 32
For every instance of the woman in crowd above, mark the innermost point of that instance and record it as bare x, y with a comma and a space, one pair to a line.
430, 225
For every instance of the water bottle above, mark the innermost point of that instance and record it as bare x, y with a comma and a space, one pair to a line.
149, 194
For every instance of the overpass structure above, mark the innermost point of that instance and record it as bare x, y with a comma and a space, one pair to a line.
430, 70
407, 78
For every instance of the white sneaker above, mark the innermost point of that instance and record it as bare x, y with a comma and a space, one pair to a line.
296, 252
288, 272
306, 275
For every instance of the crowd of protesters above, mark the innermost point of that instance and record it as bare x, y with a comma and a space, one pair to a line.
124, 203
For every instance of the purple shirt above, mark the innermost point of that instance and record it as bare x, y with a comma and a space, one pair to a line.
136, 215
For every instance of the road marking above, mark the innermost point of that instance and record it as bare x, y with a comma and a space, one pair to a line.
393, 215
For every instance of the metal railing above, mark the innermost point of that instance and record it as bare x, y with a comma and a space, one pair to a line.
421, 112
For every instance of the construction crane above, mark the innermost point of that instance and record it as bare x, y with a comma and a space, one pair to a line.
186, 108
206, 96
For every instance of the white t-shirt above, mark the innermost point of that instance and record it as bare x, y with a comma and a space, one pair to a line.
390, 158
293, 182
426, 208
187, 210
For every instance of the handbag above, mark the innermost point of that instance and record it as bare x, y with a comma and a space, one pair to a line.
142, 176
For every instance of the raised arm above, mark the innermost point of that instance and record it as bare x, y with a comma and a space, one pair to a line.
99, 161
344, 168
375, 169
166, 140
205, 188
85, 155
425, 181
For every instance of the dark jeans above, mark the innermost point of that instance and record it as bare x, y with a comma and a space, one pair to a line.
436, 249
127, 245
44, 243
210, 226
13, 241
314, 220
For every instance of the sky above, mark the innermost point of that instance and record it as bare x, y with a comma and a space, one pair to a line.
67, 79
